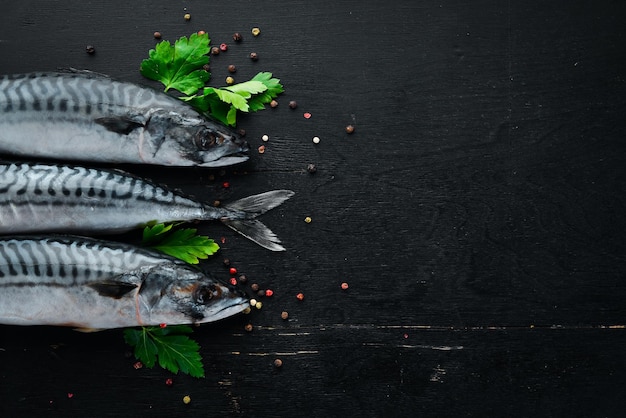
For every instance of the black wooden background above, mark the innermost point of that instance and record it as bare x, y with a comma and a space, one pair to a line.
477, 211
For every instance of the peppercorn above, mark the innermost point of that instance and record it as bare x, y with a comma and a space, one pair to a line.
215, 50
169, 381
278, 363
254, 287
216, 203
293, 104
227, 262
258, 305
242, 278
284, 315
230, 80
233, 281
232, 270
344, 286
157, 35
300, 296
269, 293
223, 47
273, 103
316, 139
187, 16
248, 327
206, 67
308, 219
311, 168
201, 32
349, 129
254, 56
186, 399
241, 132
90, 49
262, 149
260, 293
237, 37
256, 31
232, 69
265, 138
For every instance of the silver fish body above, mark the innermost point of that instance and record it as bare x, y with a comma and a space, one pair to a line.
87, 283
83, 116
44, 198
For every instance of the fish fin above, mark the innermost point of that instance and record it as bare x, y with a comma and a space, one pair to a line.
120, 125
258, 204
112, 288
254, 206
255, 231
88, 330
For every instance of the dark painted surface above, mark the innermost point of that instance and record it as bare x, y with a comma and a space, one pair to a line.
477, 212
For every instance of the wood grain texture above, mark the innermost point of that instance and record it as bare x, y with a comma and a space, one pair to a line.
476, 212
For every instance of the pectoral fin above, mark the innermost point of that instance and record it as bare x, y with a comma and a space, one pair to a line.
120, 125
112, 288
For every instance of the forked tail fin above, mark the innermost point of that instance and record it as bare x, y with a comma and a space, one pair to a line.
254, 206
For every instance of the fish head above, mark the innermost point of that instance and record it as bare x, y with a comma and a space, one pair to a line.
190, 140
182, 295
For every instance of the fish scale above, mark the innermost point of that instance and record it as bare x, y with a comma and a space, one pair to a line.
37, 197
87, 283
84, 116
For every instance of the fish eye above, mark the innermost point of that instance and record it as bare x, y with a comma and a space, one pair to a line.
204, 139
203, 294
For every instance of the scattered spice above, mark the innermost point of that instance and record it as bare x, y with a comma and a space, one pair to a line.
254, 287
70, 395
232, 270
186, 399
274, 103
307, 115
206, 67
242, 132
300, 296
278, 363
226, 185
284, 315
256, 31
344, 286
237, 37
223, 47
258, 305
242, 278
316, 139
138, 365
265, 138
187, 16
293, 104
260, 293
233, 281
262, 149
232, 69
90, 49
230, 80
349, 129
308, 219
215, 50
157, 35
254, 56
163, 325
201, 32
269, 293
311, 168
226, 262
216, 203
169, 381
253, 302
248, 327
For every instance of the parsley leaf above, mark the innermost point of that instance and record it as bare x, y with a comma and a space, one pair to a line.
179, 67
181, 243
173, 348
273, 89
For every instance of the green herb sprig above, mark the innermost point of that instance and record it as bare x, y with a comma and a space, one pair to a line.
170, 345
181, 67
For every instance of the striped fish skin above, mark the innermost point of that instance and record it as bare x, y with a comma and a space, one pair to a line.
93, 284
83, 116
44, 198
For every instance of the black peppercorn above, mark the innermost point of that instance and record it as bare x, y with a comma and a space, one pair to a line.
237, 37
254, 56
90, 49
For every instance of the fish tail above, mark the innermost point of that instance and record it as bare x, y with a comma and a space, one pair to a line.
254, 206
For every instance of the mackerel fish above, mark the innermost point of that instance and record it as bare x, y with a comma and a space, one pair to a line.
46, 198
92, 284
84, 116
